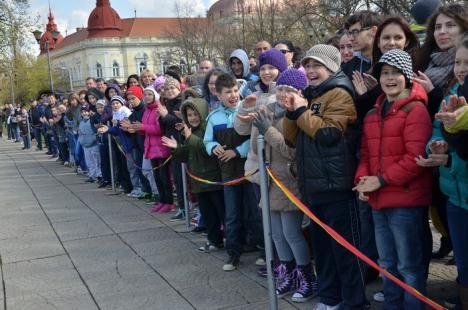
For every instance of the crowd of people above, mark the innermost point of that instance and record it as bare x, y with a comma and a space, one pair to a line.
369, 130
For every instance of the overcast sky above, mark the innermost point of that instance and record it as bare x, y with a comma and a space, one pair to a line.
70, 14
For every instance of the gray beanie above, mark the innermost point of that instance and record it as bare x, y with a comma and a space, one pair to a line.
399, 59
327, 55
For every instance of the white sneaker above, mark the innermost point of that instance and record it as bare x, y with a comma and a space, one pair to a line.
320, 306
379, 296
134, 194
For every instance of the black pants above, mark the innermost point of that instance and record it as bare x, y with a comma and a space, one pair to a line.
176, 170
163, 181
123, 177
211, 206
105, 162
339, 272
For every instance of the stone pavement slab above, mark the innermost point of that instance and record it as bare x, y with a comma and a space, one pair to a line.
65, 244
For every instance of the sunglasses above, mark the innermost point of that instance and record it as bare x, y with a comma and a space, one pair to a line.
285, 51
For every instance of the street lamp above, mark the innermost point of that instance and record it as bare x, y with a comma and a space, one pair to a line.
37, 34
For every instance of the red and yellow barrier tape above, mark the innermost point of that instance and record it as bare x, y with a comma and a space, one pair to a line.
338, 238
227, 183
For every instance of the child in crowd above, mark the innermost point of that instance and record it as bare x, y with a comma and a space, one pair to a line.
321, 127
23, 126
87, 139
222, 141
209, 88
448, 150
154, 150
210, 197
398, 190
168, 120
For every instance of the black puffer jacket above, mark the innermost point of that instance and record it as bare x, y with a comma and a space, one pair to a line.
327, 161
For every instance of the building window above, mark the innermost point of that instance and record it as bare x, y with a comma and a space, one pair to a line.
98, 70
141, 66
115, 69
141, 62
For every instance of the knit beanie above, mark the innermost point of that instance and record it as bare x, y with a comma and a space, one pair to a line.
423, 9
100, 102
273, 57
327, 55
136, 91
94, 92
160, 80
170, 81
293, 78
155, 93
399, 59
119, 99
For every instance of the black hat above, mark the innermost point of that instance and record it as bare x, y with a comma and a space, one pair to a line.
423, 9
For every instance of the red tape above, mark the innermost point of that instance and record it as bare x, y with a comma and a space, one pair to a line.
338, 238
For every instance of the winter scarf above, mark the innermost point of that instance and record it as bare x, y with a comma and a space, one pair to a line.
441, 67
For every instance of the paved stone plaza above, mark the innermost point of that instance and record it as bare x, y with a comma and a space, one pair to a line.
64, 244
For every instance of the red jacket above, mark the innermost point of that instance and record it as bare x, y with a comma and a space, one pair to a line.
153, 132
389, 147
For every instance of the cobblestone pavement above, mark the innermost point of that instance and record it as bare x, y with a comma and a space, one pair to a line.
65, 244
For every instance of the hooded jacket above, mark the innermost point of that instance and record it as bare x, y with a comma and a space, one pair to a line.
388, 148
326, 139
107, 114
454, 176
244, 58
153, 131
193, 150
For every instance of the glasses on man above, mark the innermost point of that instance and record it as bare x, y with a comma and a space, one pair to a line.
354, 33
285, 51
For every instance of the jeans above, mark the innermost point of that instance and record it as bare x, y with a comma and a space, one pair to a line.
79, 156
367, 242
133, 172
287, 234
93, 160
457, 220
137, 156
147, 172
339, 272
241, 212
211, 206
26, 142
399, 234
38, 136
163, 181
71, 146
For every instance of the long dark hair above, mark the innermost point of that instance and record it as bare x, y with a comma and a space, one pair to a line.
459, 12
411, 38
205, 88
133, 76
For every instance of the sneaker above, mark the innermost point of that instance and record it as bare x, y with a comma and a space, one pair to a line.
232, 263
452, 302
286, 279
379, 296
104, 184
151, 200
66, 164
89, 180
307, 286
134, 194
165, 208
260, 261
179, 216
209, 247
198, 230
320, 306
156, 207
262, 272
145, 196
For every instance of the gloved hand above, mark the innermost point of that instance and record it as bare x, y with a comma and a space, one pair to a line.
262, 121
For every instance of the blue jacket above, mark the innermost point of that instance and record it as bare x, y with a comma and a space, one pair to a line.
123, 138
453, 177
220, 131
87, 134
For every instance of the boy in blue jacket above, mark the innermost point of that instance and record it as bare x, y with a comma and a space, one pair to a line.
222, 141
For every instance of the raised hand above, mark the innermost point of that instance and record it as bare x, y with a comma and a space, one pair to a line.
438, 147
424, 80
169, 142
250, 101
359, 84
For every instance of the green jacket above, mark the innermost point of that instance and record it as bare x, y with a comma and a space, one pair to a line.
193, 152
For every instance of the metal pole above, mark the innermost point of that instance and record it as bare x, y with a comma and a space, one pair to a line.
186, 201
109, 138
51, 82
265, 202
29, 131
12, 88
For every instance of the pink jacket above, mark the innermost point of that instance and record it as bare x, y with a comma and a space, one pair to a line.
153, 132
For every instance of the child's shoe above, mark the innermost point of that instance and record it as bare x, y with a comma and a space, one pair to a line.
232, 263
157, 206
209, 247
286, 279
307, 286
165, 208
179, 216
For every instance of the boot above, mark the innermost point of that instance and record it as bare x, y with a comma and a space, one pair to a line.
445, 248
463, 293
286, 279
306, 284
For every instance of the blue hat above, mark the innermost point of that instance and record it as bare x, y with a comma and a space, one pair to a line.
273, 57
293, 78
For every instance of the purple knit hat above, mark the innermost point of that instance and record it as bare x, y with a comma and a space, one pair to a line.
273, 57
293, 78
160, 80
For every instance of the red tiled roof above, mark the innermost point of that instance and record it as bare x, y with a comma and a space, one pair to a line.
133, 27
